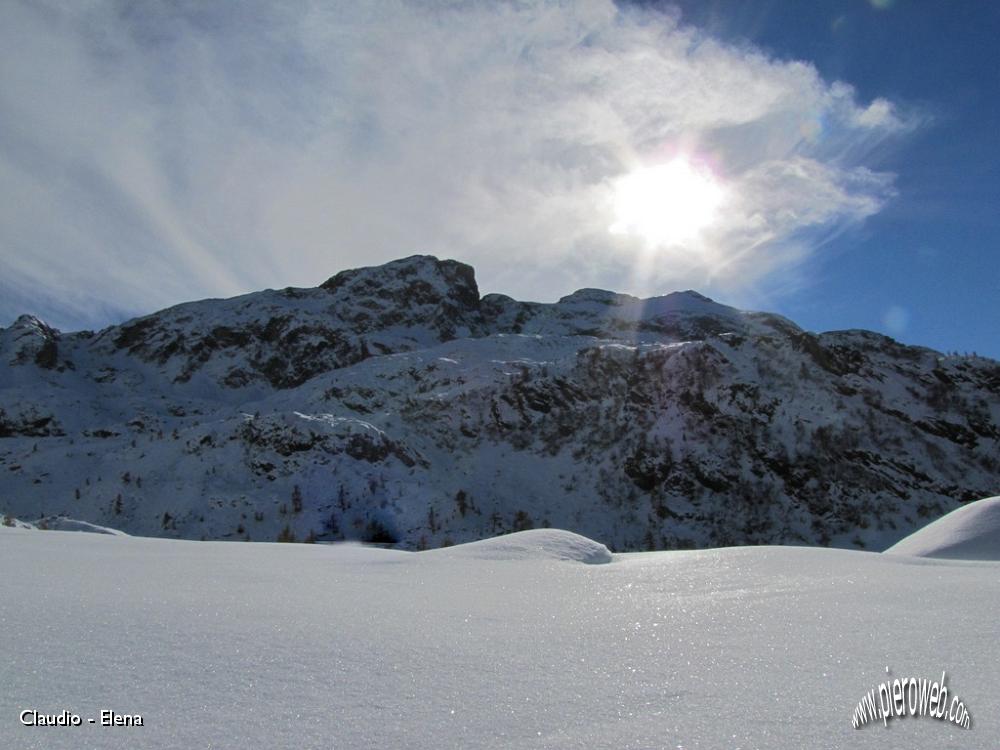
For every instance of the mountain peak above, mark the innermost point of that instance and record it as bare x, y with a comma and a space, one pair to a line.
596, 296
424, 276
29, 339
695, 295
29, 323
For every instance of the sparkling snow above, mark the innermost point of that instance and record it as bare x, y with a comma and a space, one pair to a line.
230, 645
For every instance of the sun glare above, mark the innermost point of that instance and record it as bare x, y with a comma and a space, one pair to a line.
667, 204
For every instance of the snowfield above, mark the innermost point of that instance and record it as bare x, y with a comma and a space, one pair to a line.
509, 643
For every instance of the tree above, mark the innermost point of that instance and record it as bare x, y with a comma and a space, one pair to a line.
522, 521
648, 542
462, 501
377, 533
296, 499
286, 534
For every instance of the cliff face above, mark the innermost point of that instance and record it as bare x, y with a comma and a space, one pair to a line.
395, 404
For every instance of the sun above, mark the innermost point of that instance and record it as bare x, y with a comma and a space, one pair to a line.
667, 204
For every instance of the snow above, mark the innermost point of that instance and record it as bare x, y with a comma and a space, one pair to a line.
225, 645
535, 544
344, 424
16, 523
62, 523
971, 532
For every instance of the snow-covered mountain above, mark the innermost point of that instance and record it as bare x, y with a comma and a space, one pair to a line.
395, 404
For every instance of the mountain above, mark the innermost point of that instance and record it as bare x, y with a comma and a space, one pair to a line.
396, 404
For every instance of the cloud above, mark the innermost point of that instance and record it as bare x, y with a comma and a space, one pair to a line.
156, 152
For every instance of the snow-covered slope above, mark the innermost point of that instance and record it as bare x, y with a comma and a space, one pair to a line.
234, 646
395, 404
970, 533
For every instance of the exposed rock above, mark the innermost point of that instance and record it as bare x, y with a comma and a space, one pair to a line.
392, 403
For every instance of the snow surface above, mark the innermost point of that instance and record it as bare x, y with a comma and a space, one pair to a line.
224, 645
62, 523
536, 544
971, 532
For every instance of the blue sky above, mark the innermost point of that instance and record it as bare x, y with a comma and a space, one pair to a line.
931, 257
832, 161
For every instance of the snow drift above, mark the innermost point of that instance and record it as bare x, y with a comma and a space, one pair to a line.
536, 544
62, 523
970, 533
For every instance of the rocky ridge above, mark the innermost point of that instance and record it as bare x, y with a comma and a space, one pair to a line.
396, 404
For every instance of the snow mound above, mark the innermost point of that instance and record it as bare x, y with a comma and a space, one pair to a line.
9, 522
62, 523
971, 532
537, 544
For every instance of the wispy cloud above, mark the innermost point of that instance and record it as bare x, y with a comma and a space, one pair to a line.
155, 152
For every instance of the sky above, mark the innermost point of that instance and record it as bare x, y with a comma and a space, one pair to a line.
832, 161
